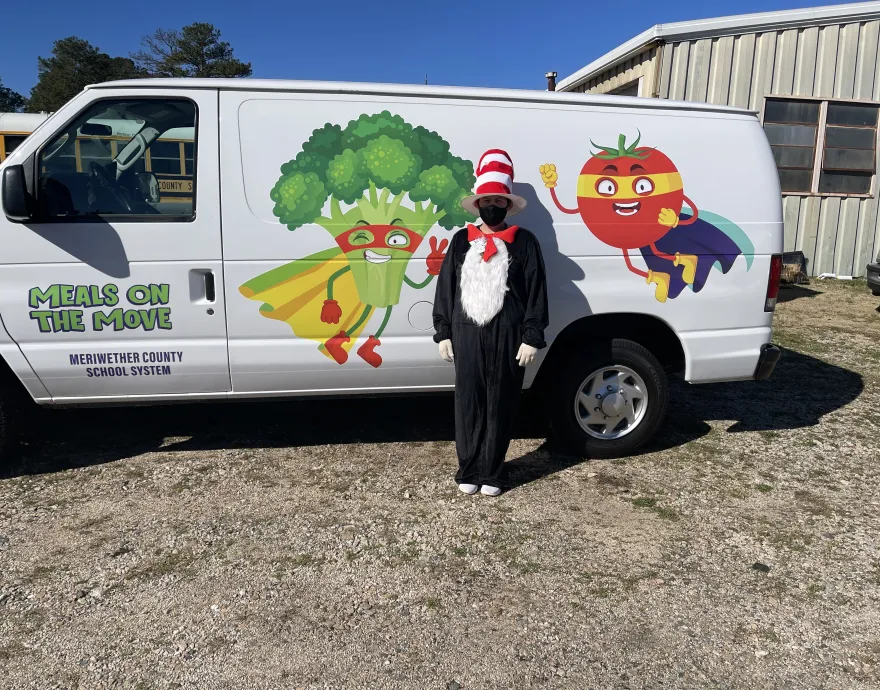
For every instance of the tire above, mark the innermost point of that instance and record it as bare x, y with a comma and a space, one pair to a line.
641, 373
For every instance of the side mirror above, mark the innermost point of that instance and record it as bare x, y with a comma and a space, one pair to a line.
148, 186
15, 197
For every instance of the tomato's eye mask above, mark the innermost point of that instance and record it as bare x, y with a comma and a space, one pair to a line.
629, 187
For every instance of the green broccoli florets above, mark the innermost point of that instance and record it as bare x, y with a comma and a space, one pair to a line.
305, 162
390, 164
346, 179
436, 184
374, 152
455, 216
326, 141
366, 128
463, 171
299, 198
434, 149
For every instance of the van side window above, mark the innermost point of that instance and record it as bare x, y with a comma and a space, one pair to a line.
133, 158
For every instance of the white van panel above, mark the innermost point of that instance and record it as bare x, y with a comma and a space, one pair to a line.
723, 158
148, 360
723, 355
19, 365
178, 347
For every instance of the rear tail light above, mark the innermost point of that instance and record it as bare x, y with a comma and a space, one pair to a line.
773, 282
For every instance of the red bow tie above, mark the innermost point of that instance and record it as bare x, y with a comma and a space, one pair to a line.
507, 235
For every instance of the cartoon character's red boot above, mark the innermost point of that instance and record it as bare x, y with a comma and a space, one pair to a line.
334, 347
367, 352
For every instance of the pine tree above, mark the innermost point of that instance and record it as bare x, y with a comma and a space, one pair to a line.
194, 51
74, 64
10, 101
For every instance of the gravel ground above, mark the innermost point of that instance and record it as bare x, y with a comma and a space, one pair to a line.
324, 545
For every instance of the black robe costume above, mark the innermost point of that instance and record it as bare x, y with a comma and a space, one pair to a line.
488, 377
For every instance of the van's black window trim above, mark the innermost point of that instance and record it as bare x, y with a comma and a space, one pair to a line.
116, 217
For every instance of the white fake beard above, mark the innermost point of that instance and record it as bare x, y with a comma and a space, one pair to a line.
484, 283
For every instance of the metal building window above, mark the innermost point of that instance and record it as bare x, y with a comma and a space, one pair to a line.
629, 89
823, 147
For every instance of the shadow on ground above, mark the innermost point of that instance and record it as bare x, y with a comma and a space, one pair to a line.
802, 390
789, 293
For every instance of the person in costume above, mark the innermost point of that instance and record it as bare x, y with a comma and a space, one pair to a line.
490, 312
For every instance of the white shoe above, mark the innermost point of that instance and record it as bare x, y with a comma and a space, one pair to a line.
490, 491
469, 489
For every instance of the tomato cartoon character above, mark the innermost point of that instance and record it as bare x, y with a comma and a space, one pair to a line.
632, 197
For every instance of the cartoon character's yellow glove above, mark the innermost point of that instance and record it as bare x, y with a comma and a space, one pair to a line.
661, 280
549, 175
668, 217
689, 261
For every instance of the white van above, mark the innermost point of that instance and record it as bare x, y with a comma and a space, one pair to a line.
173, 240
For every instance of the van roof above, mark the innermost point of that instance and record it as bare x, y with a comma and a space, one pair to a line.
422, 91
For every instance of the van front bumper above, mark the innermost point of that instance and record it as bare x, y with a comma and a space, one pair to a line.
770, 355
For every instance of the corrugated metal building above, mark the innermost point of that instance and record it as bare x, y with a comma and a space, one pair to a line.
814, 76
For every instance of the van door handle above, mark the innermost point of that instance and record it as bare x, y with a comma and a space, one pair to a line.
210, 293
202, 287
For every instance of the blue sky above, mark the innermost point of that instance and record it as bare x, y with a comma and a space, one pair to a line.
464, 44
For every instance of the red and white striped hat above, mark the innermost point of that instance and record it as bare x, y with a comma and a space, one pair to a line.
494, 178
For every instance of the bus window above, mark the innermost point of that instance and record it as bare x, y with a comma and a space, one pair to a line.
94, 150
188, 148
12, 142
165, 158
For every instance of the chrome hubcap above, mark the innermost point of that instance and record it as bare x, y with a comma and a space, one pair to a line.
611, 402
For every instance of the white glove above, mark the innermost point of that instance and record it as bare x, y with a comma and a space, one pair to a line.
526, 355
446, 350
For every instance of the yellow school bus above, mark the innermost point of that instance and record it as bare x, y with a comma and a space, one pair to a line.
169, 158
14, 129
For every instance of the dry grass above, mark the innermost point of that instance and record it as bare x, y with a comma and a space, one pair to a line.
324, 545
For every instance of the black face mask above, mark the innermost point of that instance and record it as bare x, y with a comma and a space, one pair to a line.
493, 215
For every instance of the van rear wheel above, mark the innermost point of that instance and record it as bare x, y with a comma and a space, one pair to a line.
610, 401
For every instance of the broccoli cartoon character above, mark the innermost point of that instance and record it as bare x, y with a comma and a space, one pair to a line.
366, 170
632, 197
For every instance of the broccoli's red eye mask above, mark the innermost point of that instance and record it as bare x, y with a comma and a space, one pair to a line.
379, 237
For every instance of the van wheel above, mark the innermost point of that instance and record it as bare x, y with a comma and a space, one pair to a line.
610, 401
